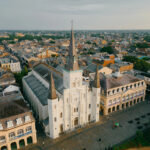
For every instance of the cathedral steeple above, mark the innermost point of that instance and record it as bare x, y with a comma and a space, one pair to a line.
72, 63
52, 91
72, 50
96, 79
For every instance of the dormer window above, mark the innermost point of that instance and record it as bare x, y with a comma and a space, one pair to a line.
20, 132
2, 139
9, 124
117, 90
1, 126
27, 118
19, 121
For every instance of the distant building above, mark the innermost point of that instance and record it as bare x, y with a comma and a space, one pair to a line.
122, 66
6, 78
10, 63
47, 54
20, 34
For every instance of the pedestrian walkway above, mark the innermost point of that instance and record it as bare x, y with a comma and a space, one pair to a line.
103, 134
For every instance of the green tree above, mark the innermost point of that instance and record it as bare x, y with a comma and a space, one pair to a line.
147, 38
141, 65
107, 49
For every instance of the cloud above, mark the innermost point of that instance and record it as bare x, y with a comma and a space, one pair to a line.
88, 14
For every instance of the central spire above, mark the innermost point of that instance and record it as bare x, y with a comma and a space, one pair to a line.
72, 63
72, 49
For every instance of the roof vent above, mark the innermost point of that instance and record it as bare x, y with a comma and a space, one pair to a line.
117, 74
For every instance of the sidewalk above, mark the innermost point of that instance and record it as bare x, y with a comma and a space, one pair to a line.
102, 134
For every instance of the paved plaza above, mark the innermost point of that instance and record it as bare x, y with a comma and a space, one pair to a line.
102, 135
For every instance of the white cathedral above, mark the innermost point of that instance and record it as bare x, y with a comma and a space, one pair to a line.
62, 101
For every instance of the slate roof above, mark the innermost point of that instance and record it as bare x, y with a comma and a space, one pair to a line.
9, 108
92, 67
109, 82
40, 90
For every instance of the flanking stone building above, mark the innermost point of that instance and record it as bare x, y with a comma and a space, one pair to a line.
17, 125
120, 91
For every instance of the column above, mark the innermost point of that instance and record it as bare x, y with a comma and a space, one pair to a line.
8, 147
105, 110
25, 141
18, 146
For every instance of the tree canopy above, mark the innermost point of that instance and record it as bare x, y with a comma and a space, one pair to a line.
107, 49
147, 38
141, 65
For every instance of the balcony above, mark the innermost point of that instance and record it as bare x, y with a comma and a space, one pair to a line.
21, 135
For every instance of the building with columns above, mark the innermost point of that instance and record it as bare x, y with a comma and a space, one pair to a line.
63, 101
17, 125
120, 91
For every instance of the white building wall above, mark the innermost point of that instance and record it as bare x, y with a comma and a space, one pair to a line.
41, 111
77, 101
15, 67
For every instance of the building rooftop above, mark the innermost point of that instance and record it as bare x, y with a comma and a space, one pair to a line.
111, 81
9, 108
108, 82
39, 89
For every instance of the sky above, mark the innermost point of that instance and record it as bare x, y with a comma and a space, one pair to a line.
86, 14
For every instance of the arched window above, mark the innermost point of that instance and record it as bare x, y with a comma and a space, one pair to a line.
28, 129
61, 115
113, 91
55, 119
109, 110
76, 121
12, 134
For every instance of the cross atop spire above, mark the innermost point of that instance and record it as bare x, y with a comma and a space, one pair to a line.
72, 63
96, 79
52, 91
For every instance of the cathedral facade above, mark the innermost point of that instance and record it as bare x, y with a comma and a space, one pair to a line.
63, 101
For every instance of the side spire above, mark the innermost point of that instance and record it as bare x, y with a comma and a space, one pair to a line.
52, 91
72, 63
96, 79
